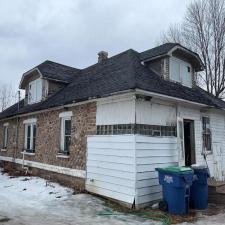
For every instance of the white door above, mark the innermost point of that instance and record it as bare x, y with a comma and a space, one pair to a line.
180, 140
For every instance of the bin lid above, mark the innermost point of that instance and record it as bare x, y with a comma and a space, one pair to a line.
175, 169
198, 166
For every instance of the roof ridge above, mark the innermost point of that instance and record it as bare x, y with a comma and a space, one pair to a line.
110, 58
159, 46
49, 61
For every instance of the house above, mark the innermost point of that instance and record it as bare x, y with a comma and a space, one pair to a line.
107, 127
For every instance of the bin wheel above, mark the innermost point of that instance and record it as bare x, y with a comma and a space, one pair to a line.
163, 206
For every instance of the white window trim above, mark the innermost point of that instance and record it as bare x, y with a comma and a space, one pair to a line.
207, 152
63, 117
31, 120
180, 77
5, 136
31, 135
62, 132
66, 114
35, 100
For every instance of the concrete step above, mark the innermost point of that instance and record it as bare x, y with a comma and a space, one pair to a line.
216, 192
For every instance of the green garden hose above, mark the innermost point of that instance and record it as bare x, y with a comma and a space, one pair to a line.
156, 216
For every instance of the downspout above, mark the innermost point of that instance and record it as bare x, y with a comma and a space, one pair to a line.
17, 128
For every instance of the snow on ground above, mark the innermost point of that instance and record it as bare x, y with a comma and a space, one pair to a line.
209, 220
29, 201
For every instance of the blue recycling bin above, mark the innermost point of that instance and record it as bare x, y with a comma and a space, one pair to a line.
176, 182
199, 188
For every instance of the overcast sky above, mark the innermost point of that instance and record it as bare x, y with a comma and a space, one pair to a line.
72, 32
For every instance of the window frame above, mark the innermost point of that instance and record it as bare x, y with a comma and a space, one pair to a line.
36, 97
5, 136
206, 132
65, 116
63, 135
32, 141
181, 65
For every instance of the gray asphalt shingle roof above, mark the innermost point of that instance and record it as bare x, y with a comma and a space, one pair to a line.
119, 73
56, 71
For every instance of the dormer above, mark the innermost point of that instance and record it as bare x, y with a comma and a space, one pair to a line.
46, 79
173, 62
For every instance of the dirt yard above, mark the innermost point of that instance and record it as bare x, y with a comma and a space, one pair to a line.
33, 201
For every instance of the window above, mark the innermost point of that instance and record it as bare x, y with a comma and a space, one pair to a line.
35, 91
30, 137
65, 135
5, 136
206, 134
180, 71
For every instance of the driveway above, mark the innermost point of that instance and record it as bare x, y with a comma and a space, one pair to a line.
33, 201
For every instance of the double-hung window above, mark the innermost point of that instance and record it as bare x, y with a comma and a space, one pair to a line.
65, 133
5, 135
30, 137
206, 134
35, 91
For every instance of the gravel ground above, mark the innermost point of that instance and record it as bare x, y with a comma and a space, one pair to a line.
33, 201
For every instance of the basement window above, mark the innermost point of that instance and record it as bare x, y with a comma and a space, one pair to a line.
65, 135
5, 135
206, 134
30, 137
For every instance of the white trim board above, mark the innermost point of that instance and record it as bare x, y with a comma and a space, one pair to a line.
31, 120
66, 114
52, 168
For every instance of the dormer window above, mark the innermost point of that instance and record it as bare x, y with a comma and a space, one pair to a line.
180, 71
35, 91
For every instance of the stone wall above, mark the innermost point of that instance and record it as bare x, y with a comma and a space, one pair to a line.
48, 136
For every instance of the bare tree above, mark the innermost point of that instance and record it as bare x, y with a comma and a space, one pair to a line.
203, 31
7, 96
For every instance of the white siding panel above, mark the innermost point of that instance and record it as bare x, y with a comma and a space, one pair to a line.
148, 112
116, 112
217, 160
113, 166
124, 197
152, 152
144, 199
151, 167
110, 173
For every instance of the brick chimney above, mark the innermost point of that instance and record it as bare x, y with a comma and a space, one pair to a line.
102, 56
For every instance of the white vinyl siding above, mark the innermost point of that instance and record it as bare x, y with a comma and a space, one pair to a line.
181, 72
151, 153
116, 111
152, 113
111, 166
122, 167
35, 91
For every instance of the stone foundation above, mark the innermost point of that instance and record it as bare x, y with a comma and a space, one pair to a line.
78, 184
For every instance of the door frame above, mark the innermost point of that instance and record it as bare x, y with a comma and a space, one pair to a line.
180, 139
192, 141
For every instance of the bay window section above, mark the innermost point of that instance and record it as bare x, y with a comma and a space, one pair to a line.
30, 137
